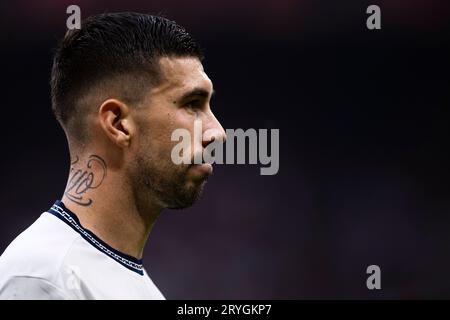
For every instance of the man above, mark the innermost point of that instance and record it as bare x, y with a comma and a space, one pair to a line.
120, 86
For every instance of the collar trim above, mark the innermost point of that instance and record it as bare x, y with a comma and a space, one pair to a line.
60, 211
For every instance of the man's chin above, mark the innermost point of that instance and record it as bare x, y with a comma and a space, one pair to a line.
188, 196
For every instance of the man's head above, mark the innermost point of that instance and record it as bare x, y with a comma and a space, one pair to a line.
120, 86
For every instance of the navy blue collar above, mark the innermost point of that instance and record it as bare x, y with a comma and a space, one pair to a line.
60, 211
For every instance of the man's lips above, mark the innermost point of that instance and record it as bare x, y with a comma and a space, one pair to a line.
204, 169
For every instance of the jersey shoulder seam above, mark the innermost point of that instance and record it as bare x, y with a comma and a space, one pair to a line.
69, 248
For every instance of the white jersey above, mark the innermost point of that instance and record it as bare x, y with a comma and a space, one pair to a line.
56, 258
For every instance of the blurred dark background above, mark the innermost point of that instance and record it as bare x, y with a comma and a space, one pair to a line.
364, 146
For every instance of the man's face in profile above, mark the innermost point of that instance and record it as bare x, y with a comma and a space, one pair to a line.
182, 96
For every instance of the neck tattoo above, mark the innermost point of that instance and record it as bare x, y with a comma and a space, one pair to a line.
81, 180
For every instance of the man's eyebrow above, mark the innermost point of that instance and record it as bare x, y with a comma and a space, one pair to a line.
196, 92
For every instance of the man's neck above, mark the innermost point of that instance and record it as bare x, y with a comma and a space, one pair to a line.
105, 205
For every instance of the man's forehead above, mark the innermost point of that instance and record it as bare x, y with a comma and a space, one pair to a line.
180, 74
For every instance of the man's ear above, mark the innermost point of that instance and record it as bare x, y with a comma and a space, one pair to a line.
115, 120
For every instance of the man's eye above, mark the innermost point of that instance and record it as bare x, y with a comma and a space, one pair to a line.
194, 104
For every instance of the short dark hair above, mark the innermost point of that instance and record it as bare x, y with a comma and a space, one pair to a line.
108, 46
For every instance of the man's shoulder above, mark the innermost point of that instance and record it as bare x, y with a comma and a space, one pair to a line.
39, 251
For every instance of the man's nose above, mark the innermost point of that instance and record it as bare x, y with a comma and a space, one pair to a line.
213, 131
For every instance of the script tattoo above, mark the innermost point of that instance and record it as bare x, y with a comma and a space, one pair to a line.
82, 180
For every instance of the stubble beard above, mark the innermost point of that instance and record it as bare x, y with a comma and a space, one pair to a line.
165, 183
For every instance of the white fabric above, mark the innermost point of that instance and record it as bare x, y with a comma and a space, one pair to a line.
50, 260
